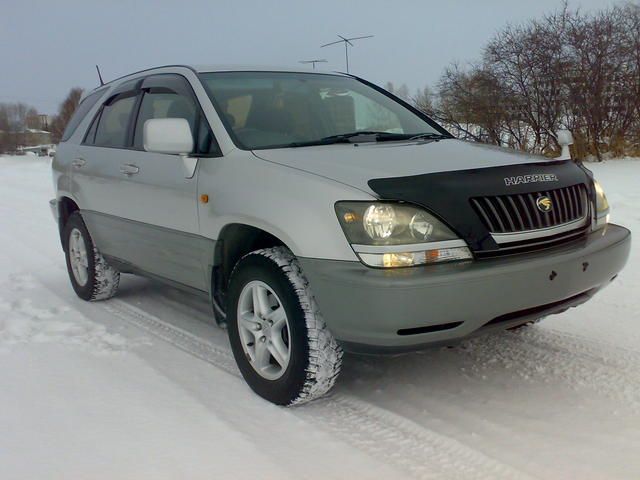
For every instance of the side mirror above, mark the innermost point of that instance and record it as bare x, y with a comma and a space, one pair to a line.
167, 135
565, 139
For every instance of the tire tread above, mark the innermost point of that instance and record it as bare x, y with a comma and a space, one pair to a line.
325, 354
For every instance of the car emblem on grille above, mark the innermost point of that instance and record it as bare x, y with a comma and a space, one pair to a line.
544, 204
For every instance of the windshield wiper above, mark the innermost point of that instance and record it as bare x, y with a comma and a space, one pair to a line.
428, 136
352, 137
368, 136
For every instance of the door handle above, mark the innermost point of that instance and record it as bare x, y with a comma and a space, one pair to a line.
78, 163
129, 169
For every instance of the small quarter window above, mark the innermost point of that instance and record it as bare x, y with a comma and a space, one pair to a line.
80, 113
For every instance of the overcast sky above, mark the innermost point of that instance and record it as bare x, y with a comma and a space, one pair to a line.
47, 47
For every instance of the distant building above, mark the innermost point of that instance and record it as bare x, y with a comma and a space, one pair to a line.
33, 137
29, 139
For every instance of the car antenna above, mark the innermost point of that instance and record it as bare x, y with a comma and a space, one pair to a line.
99, 75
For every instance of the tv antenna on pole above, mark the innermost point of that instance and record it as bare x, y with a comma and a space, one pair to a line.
347, 43
313, 62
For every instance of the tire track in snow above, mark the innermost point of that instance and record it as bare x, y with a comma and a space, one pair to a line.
597, 350
405, 445
185, 341
548, 354
420, 452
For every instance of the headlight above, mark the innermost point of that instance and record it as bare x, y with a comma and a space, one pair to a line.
379, 221
387, 234
602, 207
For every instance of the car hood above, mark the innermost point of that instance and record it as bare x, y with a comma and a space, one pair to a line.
442, 176
356, 164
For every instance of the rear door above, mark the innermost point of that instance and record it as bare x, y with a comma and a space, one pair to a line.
97, 181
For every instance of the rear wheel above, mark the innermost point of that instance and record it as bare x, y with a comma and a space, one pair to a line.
91, 276
279, 340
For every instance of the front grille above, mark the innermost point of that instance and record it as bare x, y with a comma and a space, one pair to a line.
519, 212
535, 244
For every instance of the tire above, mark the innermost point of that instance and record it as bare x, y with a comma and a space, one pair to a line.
314, 357
95, 279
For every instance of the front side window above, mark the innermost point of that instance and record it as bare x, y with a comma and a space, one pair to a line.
164, 103
278, 109
112, 123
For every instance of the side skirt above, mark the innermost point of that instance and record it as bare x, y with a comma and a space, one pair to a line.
126, 267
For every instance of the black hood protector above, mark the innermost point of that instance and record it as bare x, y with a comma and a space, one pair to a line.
448, 194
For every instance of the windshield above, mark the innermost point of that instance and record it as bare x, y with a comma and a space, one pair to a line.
277, 109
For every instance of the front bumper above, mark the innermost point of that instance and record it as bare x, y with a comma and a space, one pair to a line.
365, 308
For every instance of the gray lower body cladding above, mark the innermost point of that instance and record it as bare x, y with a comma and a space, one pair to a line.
378, 310
157, 251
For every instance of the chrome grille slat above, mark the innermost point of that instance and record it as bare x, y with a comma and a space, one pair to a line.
558, 212
576, 202
554, 214
519, 212
526, 211
532, 206
568, 203
508, 214
557, 197
485, 218
581, 201
495, 213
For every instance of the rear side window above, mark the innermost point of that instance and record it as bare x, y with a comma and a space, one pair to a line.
111, 126
80, 113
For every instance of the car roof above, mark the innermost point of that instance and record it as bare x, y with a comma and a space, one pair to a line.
216, 68
259, 68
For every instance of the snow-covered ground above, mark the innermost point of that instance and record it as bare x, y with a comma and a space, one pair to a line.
143, 386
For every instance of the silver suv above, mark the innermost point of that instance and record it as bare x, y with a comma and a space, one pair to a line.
318, 212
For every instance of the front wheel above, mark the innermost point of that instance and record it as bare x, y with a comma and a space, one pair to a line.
279, 340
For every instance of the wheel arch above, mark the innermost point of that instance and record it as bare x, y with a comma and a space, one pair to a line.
66, 206
234, 242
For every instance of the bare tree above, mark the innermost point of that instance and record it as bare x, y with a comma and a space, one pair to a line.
473, 104
566, 70
424, 101
65, 112
528, 61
